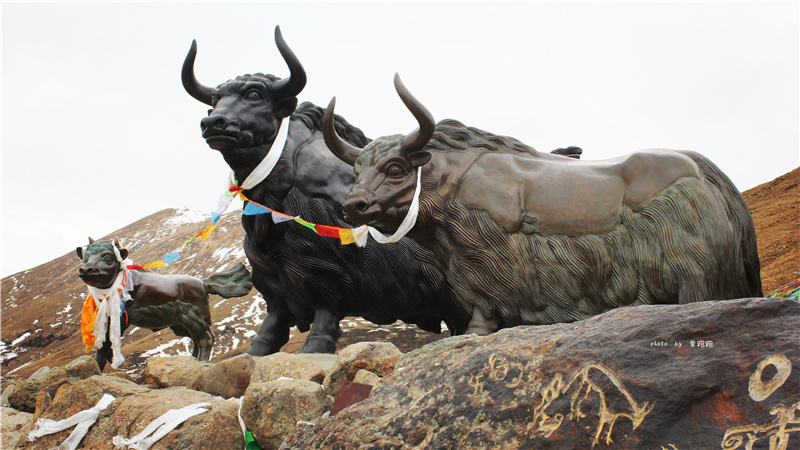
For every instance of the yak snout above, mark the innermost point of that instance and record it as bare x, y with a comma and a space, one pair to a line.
220, 132
359, 209
88, 269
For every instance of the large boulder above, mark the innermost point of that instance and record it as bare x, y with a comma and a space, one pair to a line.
173, 371
720, 374
135, 408
272, 410
46, 380
228, 378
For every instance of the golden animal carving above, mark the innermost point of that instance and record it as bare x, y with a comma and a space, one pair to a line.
513, 373
786, 420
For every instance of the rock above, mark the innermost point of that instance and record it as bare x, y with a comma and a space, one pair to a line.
272, 410
358, 366
385, 366
39, 374
136, 407
324, 361
14, 426
6, 392
43, 401
82, 367
169, 371
23, 398
431, 350
366, 377
276, 365
362, 351
702, 375
228, 378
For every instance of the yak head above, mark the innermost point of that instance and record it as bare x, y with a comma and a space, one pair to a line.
102, 261
386, 169
246, 112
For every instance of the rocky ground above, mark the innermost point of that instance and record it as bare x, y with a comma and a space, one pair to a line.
703, 375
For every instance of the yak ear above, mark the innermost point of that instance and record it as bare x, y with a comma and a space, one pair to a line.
285, 107
419, 158
123, 252
79, 251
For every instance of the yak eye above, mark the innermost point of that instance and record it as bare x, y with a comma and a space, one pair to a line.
395, 170
108, 259
253, 94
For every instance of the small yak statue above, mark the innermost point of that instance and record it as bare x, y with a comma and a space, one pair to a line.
148, 300
548, 239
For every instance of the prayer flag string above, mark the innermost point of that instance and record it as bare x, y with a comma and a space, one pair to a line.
345, 235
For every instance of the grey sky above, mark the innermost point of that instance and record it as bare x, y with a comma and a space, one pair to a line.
97, 131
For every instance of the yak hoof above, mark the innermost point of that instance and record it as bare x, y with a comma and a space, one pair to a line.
319, 344
481, 325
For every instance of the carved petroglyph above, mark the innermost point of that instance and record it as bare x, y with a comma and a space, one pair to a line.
786, 420
512, 374
545, 425
758, 389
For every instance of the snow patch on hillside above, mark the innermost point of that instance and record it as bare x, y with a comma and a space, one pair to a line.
184, 216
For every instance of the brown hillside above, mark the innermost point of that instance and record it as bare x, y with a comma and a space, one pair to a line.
774, 206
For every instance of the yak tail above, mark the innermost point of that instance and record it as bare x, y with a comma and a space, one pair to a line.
742, 220
234, 282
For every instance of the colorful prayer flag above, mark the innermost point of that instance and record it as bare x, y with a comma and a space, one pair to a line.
252, 209
324, 230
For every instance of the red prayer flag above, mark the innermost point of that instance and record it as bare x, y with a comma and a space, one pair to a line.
324, 230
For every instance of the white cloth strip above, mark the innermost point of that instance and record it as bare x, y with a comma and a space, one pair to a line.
84, 420
160, 427
264, 168
109, 307
408, 222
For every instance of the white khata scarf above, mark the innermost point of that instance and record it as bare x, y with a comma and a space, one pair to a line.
264, 168
360, 233
110, 303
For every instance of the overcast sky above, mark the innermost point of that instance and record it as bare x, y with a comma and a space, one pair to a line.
97, 131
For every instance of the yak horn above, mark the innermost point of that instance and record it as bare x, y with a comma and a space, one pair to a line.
91, 241
338, 146
190, 83
417, 138
296, 81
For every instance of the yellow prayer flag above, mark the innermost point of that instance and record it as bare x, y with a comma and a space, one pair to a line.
346, 235
208, 231
154, 265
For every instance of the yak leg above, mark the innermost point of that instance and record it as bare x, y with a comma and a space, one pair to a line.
480, 324
105, 354
324, 333
273, 334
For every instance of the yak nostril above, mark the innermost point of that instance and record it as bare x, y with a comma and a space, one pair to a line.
217, 122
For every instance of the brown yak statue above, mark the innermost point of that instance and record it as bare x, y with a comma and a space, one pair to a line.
548, 239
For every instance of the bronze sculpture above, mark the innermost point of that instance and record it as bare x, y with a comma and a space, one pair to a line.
551, 239
155, 301
303, 277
